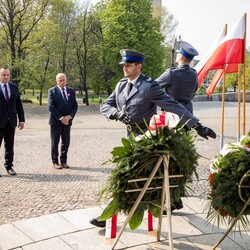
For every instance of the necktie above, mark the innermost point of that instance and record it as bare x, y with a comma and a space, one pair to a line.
130, 86
6, 93
64, 96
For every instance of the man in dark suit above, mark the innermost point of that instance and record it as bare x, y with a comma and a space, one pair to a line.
136, 98
63, 106
10, 108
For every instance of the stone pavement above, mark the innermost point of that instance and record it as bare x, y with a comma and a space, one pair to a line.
44, 208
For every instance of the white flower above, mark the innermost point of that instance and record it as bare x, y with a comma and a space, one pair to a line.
169, 119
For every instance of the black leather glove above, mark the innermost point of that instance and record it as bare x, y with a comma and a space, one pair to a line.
122, 116
204, 132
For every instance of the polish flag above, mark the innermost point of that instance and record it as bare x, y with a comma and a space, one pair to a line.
230, 50
229, 68
202, 63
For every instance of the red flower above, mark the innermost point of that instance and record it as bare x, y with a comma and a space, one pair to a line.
68, 93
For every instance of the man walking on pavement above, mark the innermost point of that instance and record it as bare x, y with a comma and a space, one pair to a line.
136, 98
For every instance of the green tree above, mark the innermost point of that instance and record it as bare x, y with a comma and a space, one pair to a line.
82, 38
41, 63
130, 24
18, 18
100, 71
63, 14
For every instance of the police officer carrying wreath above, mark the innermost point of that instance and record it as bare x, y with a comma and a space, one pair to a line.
136, 98
181, 82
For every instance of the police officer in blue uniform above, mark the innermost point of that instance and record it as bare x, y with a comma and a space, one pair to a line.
181, 82
136, 98
133, 106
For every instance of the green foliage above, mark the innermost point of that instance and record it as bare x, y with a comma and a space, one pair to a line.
225, 201
130, 24
136, 159
246, 140
51, 36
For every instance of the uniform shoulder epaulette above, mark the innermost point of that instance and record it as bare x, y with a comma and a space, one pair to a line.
193, 69
149, 79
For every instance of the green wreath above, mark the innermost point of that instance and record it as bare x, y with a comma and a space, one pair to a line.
227, 171
136, 159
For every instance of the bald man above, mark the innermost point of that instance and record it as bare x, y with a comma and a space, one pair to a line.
63, 106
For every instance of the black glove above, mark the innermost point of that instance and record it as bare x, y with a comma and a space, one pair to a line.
122, 116
204, 131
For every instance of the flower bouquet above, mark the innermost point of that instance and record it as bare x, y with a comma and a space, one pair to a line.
136, 158
226, 172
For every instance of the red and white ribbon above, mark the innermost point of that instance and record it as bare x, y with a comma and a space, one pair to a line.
162, 120
111, 226
157, 121
152, 222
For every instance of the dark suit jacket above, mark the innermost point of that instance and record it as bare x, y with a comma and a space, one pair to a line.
10, 111
58, 107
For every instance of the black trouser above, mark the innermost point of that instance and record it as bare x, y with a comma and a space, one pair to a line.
8, 134
57, 132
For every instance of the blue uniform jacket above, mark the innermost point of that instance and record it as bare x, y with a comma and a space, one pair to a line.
143, 100
180, 83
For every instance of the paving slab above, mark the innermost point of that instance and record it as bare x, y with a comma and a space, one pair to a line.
11, 237
181, 228
178, 244
200, 222
196, 204
138, 236
45, 227
206, 242
80, 217
241, 238
90, 239
52, 244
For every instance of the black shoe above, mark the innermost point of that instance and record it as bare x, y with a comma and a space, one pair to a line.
176, 205
95, 222
11, 171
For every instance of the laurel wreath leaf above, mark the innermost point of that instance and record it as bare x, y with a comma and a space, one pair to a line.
136, 159
224, 202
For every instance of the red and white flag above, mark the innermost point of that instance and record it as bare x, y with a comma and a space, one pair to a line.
230, 50
229, 68
202, 63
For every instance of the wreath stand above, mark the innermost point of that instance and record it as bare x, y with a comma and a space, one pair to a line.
246, 200
164, 196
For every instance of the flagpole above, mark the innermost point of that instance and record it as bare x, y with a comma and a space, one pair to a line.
223, 100
244, 80
222, 109
239, 103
